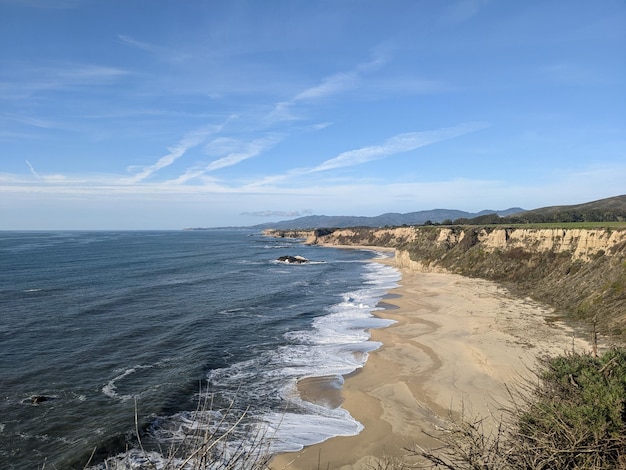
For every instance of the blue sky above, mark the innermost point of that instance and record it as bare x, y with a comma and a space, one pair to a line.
144, 114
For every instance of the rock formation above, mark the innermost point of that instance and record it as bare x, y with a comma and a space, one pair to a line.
293, 259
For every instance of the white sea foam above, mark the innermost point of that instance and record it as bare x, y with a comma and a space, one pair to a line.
334, 345
291, 432
110, 388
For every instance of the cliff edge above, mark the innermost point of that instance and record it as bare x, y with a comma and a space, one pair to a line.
580, 272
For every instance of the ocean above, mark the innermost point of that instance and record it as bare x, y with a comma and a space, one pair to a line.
98, 328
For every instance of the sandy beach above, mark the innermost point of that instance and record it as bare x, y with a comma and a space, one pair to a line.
456, 344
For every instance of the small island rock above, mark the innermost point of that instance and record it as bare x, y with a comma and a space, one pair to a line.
293, 259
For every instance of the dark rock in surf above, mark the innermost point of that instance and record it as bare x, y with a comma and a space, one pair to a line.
293, 259
37, 399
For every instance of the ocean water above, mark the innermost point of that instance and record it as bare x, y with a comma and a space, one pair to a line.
103, 326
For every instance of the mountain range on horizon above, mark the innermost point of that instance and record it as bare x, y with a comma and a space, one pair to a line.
601, 210
611, 209
387, 219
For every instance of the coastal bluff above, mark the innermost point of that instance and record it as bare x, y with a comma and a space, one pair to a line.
581, 272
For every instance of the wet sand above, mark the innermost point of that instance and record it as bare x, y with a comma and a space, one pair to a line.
458, 342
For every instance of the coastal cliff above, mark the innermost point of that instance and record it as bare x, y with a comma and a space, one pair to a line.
581, 272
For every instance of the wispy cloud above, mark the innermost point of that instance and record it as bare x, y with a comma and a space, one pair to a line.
321, 125
48, 179
84, 74
250, 150
29, 121
239, 152
354, 197
64, 76
135, 43
189, 141
400, 143
397, 144
328, 86
160, 52
463, 10
32, 170
570, 73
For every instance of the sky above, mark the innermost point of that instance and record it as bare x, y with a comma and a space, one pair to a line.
145, 114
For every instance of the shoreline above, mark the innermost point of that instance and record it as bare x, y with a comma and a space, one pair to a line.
456, 344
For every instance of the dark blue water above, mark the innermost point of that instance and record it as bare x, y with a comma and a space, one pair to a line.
97, 323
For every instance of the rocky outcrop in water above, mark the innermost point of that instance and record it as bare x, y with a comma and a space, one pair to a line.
293, 259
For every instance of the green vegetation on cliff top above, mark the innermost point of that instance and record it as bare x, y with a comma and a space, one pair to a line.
610, 210
573, 416
543, 225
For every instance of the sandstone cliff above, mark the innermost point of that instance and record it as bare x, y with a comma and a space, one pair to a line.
581, 272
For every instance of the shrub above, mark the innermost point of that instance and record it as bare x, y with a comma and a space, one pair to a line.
572, 417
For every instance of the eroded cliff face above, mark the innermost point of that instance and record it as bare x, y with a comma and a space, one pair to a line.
580, 244
578, 271
583, 244
309, 236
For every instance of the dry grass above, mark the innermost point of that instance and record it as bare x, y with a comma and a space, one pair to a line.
211, 441
572, 417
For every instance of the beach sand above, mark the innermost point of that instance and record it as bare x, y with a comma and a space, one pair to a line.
456, 345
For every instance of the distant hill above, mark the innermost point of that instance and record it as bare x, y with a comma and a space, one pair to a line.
612, 209
388, 219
